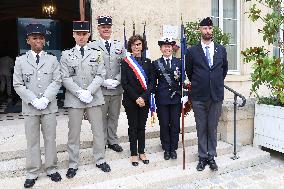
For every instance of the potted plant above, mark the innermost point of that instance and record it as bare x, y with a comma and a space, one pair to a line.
268, 71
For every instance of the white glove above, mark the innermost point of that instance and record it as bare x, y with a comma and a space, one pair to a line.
112, 84
38, 104
111, 87
44, 102
35, 103
115, 83
107, 83
85, 96
184, 100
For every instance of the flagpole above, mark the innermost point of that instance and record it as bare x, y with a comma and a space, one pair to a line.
182, 93
133, 27
82, 10
124, 36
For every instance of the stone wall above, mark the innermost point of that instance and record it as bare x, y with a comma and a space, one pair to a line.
156, 13
245, 124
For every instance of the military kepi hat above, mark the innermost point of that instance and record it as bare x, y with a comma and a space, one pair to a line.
81, 26
166, 41
206, 22
35, 29
104, 20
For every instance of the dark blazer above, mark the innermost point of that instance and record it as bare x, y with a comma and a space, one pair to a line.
131, 85
207, 83
163, 90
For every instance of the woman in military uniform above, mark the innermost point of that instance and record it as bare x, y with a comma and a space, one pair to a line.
168, 97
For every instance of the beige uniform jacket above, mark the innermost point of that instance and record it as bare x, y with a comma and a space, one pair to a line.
79, 73
112, 62
32, 80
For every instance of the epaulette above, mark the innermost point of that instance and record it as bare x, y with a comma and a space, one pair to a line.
95, 49
67, 49
93, 40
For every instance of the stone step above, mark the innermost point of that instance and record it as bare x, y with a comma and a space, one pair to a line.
157, 174
16, 167
13, 140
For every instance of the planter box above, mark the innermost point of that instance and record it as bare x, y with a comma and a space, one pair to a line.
269, 127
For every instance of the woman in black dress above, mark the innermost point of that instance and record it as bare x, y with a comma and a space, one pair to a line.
137, 79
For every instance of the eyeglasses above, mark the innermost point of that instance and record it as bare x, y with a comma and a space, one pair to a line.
136, 44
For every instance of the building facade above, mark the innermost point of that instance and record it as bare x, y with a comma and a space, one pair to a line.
229, 15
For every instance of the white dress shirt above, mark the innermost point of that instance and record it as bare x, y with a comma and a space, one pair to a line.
211, 49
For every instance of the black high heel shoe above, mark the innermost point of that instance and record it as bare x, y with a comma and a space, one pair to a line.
145, 161
134, 163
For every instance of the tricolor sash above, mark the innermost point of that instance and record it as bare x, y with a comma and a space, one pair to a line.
138, 71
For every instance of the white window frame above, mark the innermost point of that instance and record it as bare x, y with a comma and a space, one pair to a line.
281, 33
238, 42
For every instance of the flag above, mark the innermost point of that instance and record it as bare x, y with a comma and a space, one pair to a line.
183, 51
144, 53
124, 35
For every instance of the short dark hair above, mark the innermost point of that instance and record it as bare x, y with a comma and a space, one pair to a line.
134, 38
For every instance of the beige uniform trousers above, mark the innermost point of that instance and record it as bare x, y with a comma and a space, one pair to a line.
47, 124
75, 121
111, 111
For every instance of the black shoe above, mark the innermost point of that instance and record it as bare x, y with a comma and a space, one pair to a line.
145, 161
167, 155
201, 164
104, 167
55, 177
135, 163
174, 154
115, 147
71, 173
29, 183
212, 164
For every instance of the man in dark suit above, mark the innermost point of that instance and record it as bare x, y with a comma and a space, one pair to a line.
168, 97
206, 68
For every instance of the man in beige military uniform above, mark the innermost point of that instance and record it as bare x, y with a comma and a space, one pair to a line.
37, 80
83, 73
113, 53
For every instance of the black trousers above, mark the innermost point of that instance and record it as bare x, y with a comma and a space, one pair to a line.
207, 117
169, 120
137, 118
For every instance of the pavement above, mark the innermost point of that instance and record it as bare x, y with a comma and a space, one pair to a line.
269, 175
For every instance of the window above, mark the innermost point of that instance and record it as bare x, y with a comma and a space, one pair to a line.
276, 50
226, 15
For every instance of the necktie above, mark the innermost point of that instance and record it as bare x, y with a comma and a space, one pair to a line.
82, 51
37, 58
208, 56
107, 46
168, 63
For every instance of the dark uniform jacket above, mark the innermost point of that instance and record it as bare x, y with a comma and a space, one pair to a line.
165, 93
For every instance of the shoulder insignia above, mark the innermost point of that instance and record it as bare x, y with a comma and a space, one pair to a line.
95, 49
